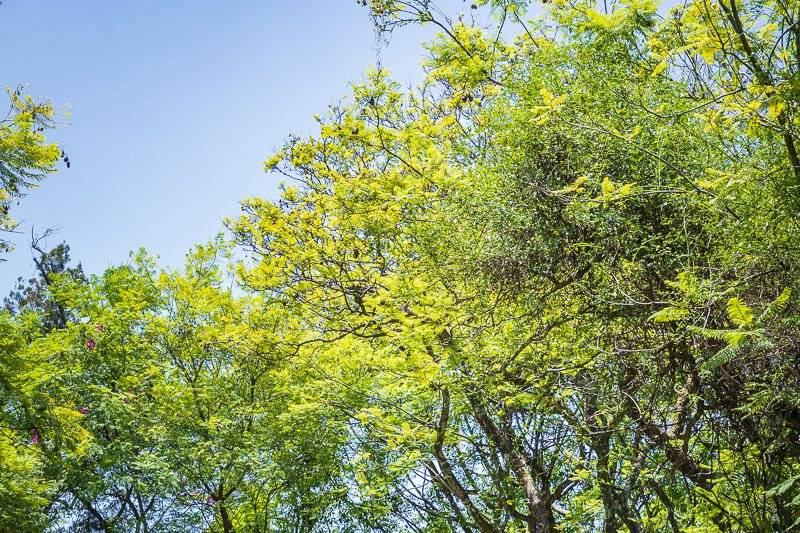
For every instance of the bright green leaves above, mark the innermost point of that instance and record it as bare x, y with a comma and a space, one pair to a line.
740, 329
578, 274
538, 289
630, 16
747, 331
23, 491
739, 314
367, 183
157, 389
669, 314
551, 105
25, 155
467, 58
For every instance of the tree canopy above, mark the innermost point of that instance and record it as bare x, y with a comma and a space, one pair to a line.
548, 289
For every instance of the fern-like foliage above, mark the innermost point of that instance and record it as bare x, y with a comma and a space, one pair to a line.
748, 329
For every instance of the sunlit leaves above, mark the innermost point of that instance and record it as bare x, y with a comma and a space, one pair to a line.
25, 155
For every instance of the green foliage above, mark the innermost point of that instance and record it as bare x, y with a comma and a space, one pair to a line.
33, 295
549, 289
25, 156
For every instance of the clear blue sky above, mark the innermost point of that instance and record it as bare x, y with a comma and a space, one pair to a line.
174, 106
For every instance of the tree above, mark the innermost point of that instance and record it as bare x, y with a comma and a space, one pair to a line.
584, 188
549, 289
33, 295
26, 157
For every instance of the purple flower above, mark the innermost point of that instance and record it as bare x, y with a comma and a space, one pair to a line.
90, 344
35, 437
211, 500
84, 410
101, 328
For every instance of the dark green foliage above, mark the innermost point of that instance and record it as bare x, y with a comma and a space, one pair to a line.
35, 296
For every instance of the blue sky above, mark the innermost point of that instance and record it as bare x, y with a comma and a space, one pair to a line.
174, 106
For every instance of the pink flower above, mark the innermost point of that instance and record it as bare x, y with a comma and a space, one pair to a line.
35, 437
84, 410
90, 344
